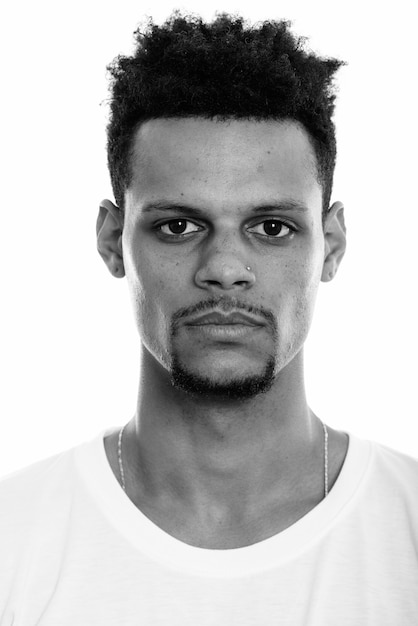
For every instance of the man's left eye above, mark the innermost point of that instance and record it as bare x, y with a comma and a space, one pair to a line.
178, 227
273, 228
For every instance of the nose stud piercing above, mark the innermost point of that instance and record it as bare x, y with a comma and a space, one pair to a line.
248, 268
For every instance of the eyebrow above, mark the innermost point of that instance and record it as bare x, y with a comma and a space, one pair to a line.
283, 205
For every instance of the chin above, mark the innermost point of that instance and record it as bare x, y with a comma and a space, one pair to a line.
237, 388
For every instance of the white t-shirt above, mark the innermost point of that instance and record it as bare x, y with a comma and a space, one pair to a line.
75, 551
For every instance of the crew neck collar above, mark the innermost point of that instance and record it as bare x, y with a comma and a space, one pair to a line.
149, 539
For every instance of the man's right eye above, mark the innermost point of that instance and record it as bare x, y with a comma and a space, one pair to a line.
175, 228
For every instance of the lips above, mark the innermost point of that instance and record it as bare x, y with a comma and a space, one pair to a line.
222, 319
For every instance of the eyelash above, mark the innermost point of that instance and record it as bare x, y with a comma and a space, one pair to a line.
179, 236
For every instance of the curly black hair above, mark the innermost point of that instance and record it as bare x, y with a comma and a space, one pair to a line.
223, 69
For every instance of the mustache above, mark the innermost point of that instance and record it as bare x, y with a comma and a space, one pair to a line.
225, 305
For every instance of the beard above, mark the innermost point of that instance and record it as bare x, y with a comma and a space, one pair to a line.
234, 388
242, 388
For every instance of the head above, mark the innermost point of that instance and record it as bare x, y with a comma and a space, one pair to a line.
221, 151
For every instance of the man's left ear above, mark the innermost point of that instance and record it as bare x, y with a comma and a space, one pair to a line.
335, 241
109, 228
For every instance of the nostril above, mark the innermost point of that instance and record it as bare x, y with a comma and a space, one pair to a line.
219, 273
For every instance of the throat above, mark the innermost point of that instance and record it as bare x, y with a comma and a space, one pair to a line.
201, 522
221, 534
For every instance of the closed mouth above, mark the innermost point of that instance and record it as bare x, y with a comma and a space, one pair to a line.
222, 319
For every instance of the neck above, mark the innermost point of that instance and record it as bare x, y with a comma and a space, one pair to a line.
218, 459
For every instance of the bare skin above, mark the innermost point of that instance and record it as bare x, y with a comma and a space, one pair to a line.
211, 471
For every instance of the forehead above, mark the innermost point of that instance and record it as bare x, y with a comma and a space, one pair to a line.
224, 160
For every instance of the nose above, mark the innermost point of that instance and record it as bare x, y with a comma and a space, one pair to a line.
220, 272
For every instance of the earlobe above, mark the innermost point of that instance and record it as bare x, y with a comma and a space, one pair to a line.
109, 228
335, 241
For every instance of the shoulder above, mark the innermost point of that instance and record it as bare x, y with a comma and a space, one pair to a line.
30, 479
396, 462
33, 502
28, 494
396, 474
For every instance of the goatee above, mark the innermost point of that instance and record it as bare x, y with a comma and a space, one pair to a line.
234, 389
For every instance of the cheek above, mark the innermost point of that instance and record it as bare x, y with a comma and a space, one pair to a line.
145, 286
150, 274
149, 293
154, 288
306, 292
298, 287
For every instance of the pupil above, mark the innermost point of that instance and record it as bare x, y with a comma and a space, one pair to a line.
272, 227
178, 226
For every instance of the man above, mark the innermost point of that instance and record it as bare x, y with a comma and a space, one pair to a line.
225, 500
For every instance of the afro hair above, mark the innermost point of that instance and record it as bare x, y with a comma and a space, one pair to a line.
223, 69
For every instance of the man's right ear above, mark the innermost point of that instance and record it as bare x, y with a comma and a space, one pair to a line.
109, 228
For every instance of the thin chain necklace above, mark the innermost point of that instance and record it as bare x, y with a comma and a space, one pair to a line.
122, 473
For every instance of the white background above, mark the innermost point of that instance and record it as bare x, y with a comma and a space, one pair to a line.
69, 347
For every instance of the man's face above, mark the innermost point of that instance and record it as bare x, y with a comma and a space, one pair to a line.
208, 200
